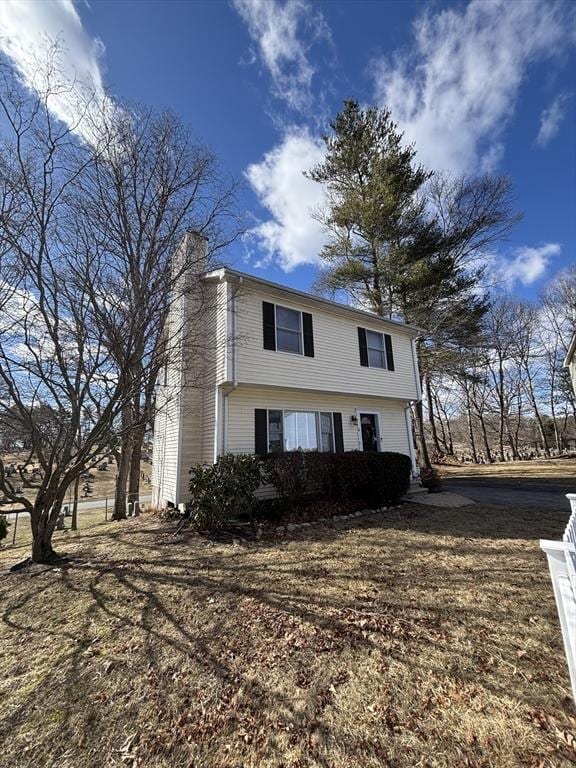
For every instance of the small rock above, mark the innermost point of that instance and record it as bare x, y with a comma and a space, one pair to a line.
280, 529
358, 514
258, 533
305, 525
291, 527
236, 542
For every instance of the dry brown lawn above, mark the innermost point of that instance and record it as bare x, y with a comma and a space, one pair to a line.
417, 638
102, 485
554, 470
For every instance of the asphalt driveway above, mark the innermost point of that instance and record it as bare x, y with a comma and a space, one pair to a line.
520, 493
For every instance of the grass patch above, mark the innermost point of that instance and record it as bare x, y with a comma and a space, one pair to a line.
556, 470
423, 638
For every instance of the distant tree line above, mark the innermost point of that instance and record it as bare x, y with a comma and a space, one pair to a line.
509, 397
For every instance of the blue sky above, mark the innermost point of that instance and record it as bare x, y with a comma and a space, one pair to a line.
486, 85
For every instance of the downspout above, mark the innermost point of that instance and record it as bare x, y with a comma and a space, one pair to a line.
234, 373
411, 449
408, 409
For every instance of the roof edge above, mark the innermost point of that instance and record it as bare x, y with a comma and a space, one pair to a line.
222, 272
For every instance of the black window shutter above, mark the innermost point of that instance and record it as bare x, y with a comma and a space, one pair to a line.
261, 431
308, 334
389, 353
363, 347
268, 325
338, 434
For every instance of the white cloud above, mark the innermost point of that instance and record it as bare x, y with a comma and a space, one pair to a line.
525, 265
28, 28
551, 118
455, 90
293, 236
284, 33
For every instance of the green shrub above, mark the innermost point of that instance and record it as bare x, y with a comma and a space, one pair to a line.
287, 472
389, 477
351, 475
3, 527
378, 478
223, 491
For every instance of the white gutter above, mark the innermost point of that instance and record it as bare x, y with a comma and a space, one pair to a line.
411, 448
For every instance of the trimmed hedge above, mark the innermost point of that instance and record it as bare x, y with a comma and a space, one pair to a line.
378, 478
227, 489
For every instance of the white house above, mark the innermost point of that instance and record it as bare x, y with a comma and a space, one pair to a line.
270, 368
570, 360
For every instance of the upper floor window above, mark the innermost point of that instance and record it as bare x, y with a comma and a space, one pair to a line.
376, 352
375, 349
287, 330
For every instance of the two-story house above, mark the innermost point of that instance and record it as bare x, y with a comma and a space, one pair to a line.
278, 370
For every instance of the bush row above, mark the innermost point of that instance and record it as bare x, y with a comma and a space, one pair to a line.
227, 489
377, 478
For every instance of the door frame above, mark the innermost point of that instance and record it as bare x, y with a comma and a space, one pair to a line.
376, 414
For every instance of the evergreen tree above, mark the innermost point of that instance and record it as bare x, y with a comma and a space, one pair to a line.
402, 243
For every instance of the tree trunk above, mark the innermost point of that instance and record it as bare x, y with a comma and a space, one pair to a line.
123, 466
43, 524
420, 436
485, 438
501, 414
42, 551
471, 427
74, 524
431, 418
539, 421
135, 463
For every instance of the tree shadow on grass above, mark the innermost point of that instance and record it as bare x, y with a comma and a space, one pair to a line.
204, 652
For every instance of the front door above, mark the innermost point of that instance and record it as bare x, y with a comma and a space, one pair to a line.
369, 427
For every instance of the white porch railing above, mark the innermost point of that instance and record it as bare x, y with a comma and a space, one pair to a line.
562, 564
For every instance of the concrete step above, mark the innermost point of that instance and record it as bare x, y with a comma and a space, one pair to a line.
416, 489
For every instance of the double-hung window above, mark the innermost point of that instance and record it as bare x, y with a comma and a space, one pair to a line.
375, 349
287, 330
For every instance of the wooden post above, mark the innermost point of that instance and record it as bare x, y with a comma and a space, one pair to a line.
14, 532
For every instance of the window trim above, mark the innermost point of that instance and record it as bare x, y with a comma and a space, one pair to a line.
317, 415
290, 330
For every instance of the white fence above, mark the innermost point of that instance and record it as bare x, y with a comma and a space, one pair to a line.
562, 564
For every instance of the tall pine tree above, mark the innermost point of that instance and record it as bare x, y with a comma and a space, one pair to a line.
402, 243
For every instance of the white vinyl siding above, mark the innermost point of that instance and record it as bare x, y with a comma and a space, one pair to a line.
244, 400
226, 355
336, 364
